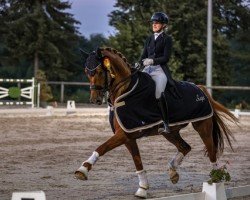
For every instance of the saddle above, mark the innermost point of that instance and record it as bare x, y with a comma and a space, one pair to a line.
137, 108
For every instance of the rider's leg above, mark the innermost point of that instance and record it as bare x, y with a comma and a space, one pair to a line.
162, 103
160, 84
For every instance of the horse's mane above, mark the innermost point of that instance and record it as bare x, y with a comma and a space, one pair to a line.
117, 58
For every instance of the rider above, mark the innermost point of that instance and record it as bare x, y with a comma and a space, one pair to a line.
155, 56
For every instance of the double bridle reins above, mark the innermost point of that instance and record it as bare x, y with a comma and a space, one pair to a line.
107, 85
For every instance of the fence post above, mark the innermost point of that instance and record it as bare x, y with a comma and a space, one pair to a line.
33, 92
62, 92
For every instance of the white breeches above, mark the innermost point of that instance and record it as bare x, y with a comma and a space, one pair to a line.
159, 78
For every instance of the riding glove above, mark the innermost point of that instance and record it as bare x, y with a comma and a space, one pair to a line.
148, 61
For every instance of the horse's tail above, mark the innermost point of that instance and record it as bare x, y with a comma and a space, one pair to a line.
220, 129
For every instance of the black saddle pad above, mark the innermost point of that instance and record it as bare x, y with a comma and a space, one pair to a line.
137, 108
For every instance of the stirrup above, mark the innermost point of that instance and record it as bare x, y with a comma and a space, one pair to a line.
164, 128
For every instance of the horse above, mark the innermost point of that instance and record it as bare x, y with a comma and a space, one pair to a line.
109, 71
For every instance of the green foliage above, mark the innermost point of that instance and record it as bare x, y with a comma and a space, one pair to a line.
45, 90
80, 96
240, 71
219, 175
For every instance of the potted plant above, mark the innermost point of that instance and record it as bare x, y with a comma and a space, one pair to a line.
214, 188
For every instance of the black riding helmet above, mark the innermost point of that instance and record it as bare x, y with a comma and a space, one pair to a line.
159, 17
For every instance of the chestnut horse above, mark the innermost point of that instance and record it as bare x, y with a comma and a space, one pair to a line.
109, 71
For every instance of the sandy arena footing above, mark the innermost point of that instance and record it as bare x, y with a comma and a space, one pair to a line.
41, 152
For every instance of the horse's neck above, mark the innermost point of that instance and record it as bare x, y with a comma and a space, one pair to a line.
121, 72
122, 80
121, 69
118, 90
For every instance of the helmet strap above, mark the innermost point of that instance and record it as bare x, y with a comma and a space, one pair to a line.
162, 28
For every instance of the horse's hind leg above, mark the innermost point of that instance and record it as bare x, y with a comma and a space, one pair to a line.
183, 148
205, 130
143, 181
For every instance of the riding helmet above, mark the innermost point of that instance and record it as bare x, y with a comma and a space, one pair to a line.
159, 17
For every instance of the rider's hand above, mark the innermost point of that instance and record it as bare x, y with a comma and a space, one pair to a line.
148, 61
136, 65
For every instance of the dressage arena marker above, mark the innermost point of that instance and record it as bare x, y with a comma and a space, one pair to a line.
36, 195
216, 191
26, 92
237, 113
50, 111
71, 107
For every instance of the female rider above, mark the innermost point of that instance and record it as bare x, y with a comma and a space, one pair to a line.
155, 56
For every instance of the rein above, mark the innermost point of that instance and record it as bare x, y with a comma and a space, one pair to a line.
107, 85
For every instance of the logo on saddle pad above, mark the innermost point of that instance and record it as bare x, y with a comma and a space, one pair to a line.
200, 98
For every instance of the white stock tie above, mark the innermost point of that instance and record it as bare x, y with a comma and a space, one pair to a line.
156, 35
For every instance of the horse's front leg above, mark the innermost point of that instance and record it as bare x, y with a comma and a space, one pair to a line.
116, 140
183, 149
143, 181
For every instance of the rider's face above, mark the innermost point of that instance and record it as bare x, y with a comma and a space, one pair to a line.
157, 26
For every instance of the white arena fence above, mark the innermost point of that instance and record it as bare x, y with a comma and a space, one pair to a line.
216, 191
30, 93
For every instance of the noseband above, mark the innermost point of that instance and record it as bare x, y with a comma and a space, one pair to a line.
99, 88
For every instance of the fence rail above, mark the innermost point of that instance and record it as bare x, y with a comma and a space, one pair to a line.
230, 87
63, 84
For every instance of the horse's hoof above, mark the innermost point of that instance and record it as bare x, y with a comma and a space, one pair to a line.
174, 176
80, 176
141, 193
81, 173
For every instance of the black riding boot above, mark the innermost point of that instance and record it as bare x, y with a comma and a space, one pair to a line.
162, 103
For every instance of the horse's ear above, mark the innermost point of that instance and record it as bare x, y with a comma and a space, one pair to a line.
84, 53
99, 53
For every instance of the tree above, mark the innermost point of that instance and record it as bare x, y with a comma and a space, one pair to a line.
40, 31
240, 62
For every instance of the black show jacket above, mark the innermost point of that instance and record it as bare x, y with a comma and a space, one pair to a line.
159, 50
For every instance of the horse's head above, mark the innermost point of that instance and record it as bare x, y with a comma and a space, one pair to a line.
97, 76
105, 68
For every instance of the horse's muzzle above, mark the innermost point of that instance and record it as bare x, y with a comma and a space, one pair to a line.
97, 101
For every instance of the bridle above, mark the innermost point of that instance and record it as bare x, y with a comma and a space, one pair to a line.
100, 88
107, 83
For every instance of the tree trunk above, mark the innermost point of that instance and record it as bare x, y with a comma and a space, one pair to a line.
36, 64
